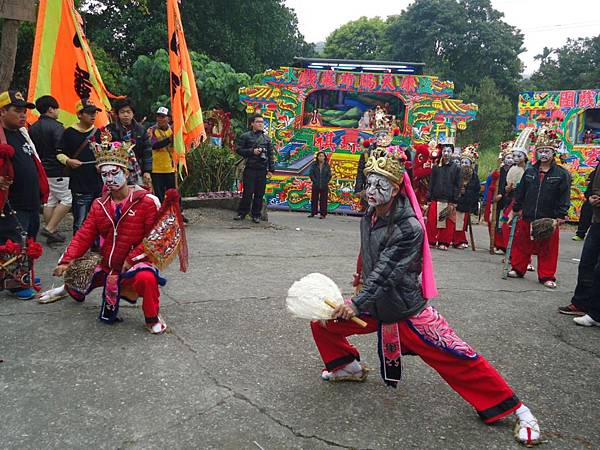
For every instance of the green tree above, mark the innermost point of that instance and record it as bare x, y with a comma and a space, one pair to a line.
358, 39
250, 35
494, 122
217, 82
463, 41
572, 66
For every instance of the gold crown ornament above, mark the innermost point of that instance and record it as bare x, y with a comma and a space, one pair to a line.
506, 149
547, 137
115, 153
470, 153
388, 162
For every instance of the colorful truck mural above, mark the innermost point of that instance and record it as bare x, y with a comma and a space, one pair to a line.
578, 113
325, 106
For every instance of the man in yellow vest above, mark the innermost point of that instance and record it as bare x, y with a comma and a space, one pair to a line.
163, 169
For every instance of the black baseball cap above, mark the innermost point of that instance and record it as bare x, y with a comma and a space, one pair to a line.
14, 98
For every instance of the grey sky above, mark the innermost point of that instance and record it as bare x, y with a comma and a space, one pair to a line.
545, 23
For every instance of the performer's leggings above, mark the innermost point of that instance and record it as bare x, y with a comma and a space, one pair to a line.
441, 236
474, 378
145, 284
547, 252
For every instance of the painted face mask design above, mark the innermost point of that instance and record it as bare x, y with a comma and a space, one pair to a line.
545, 154
113, 177
379, 190
509, 160
465, 162
518, 157
446, 152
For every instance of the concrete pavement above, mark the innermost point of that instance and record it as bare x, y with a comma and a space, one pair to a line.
235, 371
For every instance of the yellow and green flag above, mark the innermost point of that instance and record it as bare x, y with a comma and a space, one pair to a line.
188, 125
63, 65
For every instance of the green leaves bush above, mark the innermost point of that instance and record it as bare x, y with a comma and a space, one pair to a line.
210, 169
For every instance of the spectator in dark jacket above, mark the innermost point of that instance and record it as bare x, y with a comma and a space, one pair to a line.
125, 128
544, 192
257, 150
46, 134
444, 189
320, 175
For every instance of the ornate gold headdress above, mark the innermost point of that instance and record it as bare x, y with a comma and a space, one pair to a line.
388, 162
506, 148
108, 152
546, 137
470, 153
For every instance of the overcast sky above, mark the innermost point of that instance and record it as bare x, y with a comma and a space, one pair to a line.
543, 22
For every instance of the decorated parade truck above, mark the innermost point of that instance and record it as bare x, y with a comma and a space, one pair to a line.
329, 105
577, 113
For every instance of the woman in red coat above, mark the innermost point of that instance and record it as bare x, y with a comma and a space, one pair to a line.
122, 217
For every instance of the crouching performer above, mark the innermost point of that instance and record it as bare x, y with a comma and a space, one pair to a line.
393, 302
136, 240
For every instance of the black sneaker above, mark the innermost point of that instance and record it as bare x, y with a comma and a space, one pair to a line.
256, 219
185, 219
571, 310
239, 217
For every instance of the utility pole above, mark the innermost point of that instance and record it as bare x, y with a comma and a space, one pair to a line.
12, 13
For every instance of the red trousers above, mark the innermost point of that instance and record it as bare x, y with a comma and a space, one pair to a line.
460, 235
474, 379
523, 247
442, 236
142, 284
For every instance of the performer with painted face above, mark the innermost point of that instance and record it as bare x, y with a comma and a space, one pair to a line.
468, 197
124, 217
543, 193
444, 189
422, 167
392, 300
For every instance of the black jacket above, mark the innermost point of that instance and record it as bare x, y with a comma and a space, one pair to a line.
138, 135
320, 178
444, 184
549, 198
245, 146
46, 134
361, 179
467, 202
506, 197
392, 259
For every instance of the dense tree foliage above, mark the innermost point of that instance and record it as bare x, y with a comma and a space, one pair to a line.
576, 65
358, 39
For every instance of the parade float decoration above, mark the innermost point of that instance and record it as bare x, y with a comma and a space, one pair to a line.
330, 106
576, 114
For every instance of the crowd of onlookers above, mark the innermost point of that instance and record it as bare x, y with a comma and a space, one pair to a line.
54, 168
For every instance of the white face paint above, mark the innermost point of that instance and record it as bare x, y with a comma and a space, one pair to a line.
465, 162
113, 177
509, 160
447, 152
518, 157
379, 190
545, 154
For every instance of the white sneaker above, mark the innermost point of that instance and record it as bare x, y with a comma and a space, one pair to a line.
586, 321
513, 274
497, 251
527, 432
530, 268
550, 284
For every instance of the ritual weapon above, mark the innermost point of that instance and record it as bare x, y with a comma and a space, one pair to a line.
314, 297
16, 259
511, 237
470, 225
493, 218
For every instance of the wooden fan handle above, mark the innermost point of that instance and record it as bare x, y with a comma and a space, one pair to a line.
354, 319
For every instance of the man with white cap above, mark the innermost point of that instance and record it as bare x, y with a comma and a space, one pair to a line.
163, 169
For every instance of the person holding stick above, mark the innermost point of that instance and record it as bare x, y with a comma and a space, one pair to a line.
469, 194
392, 300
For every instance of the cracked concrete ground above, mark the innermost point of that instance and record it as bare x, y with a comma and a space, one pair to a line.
237, 372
